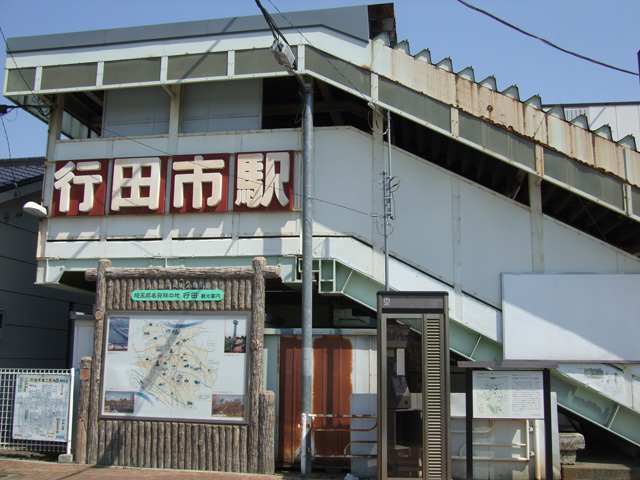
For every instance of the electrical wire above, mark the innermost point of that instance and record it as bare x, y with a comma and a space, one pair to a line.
546, 42
6, 135
275, 31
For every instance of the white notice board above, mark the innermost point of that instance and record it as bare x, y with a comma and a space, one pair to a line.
502, 394
41, 407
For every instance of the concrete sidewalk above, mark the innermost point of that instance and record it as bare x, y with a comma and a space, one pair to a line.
32, 469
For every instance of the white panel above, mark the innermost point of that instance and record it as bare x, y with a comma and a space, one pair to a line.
136, 111
201, 225
342, 183
74, 228
134, 226
422, 230
239, 142
363, 375
568, 250
221, 106
571, 317
272, 223
81, 149
496, 237
139, 147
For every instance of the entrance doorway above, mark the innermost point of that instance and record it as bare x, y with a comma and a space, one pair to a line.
332, 388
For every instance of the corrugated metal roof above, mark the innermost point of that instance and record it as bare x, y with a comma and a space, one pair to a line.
20, 171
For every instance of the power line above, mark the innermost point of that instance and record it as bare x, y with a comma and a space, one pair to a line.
546, 42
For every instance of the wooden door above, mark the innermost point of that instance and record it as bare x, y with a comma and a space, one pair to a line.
332, 387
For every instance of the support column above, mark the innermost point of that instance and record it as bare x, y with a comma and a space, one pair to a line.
96, 366
256, 382
307, 280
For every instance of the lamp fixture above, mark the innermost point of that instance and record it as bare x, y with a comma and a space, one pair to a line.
35, 209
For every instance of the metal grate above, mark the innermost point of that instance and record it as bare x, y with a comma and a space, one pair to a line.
435, 397
7, 404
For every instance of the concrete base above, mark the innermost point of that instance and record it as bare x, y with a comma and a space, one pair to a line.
570, 443
65, 458
600, 471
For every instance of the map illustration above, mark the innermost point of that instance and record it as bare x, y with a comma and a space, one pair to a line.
41, 410
508, 394
172, 366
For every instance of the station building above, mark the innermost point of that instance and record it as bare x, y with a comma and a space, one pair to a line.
180, 146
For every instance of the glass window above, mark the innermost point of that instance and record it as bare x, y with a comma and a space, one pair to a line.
131, 71
67, 76
197, 66
21, 79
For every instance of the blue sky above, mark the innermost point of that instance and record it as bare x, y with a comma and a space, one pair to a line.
607, 33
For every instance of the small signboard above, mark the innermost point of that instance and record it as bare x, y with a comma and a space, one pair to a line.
41, 407
177, 295
508, 394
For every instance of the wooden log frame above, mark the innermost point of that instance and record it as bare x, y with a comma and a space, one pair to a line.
184, 445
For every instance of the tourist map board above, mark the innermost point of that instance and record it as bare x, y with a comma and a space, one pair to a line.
186, 366
508, 394
41, 408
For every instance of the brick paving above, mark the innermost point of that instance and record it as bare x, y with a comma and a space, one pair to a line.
31, 469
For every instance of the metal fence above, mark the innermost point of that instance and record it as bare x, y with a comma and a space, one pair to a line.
36, 408
347, 452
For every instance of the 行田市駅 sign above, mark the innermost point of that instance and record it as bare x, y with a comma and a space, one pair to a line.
262, 181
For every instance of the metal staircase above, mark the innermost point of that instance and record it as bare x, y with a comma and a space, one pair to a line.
333, 277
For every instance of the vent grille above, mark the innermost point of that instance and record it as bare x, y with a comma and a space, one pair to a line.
435, 408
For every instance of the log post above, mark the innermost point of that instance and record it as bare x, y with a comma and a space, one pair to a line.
83, 411
266, 447
96, 367
256, 360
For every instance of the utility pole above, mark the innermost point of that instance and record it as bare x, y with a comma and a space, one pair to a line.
307, 278
386, 193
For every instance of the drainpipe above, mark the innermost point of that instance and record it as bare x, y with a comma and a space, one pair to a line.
307, 278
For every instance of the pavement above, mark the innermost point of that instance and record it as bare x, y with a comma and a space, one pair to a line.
11, 468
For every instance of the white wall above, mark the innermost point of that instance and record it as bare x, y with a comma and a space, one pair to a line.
571, 317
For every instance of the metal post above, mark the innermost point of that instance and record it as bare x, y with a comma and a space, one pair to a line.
307, 278
469, 421
386, 178
70, 412
548, 431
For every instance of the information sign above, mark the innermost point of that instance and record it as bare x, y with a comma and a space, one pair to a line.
41, 408
508, 394
186, 366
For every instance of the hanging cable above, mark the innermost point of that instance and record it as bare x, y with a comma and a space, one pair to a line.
546, 42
